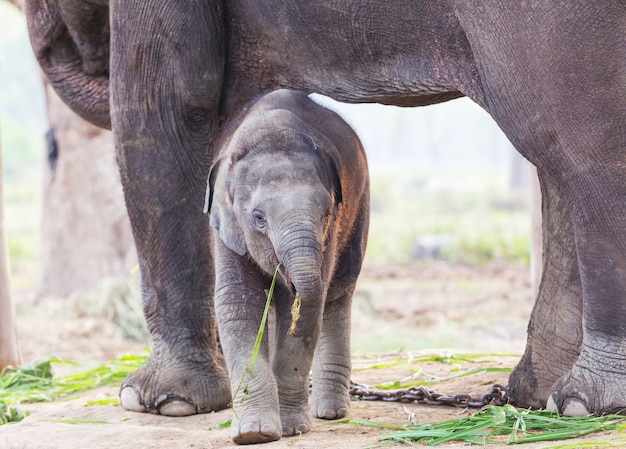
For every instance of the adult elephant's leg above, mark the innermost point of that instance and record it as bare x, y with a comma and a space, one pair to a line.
559, 96
596, 383
555, 327
166, 74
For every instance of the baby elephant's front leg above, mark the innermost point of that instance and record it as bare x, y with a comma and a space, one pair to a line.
239, 309
292, 363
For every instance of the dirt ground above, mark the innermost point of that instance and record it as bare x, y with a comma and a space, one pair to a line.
399, 312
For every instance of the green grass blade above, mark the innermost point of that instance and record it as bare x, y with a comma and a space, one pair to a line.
79, 421
107, 401
259, 337
367, 423
224, 425
591, 444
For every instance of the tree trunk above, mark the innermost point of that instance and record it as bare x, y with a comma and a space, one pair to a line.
9, 351
86, 234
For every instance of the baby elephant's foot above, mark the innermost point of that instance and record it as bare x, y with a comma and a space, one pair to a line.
256, 427
326, 405
295, 422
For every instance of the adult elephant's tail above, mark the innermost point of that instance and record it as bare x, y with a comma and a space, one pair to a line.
71, 44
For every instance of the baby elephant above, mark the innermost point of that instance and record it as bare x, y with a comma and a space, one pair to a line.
290, 187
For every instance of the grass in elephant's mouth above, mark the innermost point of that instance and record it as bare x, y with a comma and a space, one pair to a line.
295, 314
36, 382
504, 425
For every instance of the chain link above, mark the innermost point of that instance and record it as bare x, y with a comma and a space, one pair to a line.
497, 395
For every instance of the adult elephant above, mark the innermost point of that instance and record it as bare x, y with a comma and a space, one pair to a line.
551, 73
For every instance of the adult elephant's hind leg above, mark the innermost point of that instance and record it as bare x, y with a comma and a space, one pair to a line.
568, 119
555, 327
596, 382
166, 73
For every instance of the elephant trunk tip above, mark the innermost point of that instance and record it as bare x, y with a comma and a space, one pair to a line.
286, 277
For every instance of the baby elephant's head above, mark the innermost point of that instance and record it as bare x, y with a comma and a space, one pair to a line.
274, 195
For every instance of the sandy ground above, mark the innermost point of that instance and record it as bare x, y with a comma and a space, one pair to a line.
399, 312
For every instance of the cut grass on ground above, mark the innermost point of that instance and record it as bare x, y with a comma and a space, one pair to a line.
36, 382
502, 425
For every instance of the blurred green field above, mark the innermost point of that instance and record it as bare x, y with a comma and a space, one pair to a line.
22, 128
473, 226
474, 220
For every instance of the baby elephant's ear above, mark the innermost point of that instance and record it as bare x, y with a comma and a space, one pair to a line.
337, 188
332, 160
218, 203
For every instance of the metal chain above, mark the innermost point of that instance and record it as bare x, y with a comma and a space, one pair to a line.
497, 395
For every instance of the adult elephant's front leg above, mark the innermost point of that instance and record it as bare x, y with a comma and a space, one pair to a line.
166, 73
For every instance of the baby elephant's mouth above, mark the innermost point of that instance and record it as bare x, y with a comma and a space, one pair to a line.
284, 273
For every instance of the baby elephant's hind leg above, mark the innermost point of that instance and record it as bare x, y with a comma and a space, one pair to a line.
332, 365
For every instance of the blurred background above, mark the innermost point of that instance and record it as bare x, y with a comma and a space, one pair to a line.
448, 189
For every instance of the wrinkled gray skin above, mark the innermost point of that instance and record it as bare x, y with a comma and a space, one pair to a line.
550, 72
290, 186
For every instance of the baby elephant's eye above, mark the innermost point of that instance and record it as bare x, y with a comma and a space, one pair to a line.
259, 218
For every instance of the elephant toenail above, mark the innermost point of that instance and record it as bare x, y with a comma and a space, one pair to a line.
302, 428
268, 429
575, 407
130, 400
551, 405
176, 406
572, 406
248, 428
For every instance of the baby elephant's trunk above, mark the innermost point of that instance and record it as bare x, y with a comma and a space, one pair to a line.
299, 249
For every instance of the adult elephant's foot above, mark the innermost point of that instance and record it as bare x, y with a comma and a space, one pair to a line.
329, 404
253, 427
596, 383
177, 385
532, 380
554, 340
